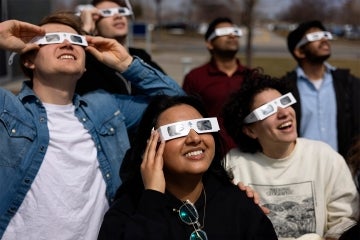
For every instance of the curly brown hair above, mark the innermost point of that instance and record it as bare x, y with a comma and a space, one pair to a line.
240, 103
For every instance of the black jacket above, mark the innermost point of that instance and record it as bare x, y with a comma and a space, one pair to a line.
347, 91
229, 214
100, 76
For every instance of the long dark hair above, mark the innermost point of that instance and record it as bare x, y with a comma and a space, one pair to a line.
130, 169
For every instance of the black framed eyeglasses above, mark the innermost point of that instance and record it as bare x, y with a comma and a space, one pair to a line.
189, 215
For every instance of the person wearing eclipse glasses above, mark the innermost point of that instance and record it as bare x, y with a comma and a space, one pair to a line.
61, 152
306, 185
177, 188
110, 19
328, 106
222, 75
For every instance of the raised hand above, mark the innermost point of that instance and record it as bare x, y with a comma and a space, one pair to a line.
15, 35
152, 164
251, 193
109, 52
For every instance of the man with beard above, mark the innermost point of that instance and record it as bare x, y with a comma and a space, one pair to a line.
214, 81
328, 98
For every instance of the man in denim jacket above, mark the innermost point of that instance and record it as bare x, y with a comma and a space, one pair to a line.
60, 153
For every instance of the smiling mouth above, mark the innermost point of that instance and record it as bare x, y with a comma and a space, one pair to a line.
285, 125
194, 153
67, 57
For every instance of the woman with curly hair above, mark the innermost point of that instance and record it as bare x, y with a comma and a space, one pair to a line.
305, 183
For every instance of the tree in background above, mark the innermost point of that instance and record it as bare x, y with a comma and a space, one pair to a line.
329, 11
248, 20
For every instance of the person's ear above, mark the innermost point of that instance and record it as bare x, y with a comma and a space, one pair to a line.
249, 131
209, 45
28, 63
299, 53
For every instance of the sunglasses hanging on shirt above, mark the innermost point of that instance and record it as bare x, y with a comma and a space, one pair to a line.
189, 215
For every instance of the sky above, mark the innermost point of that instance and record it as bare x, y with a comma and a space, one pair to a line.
269, 7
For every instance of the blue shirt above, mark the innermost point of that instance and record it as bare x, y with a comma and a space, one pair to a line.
24, 135
318, 108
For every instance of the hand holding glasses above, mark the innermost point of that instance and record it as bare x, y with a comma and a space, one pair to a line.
181, 129
59, 37
315, 36
270, 108
54, 38
189, 215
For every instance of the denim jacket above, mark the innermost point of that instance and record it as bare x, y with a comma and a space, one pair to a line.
24, 135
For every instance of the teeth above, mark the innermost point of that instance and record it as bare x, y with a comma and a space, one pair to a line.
284, 125
67, 57
193, 153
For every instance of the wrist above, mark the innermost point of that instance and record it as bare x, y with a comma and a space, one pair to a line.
128, 62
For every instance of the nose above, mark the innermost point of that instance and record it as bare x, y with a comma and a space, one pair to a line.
118, 15
66, 43
193, 137
282, 112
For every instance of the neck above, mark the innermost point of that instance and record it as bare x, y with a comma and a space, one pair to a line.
191, 190
226, 65
122, 40
314, 71
54, 92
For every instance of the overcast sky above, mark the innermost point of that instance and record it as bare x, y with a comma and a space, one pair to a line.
269, 7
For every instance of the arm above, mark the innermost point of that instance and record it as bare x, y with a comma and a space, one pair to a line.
144, 77
343, 200
145, 221
15, 35
89, 16
128, 220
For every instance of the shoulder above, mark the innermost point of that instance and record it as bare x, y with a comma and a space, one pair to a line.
96, 100
318, 151
91, 96
236, 155
10, 102
236, 158
289, 76
197, 70
341, 73
232, 194
141, 53
305, 143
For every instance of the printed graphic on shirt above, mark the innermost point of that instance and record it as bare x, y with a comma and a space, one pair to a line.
292, 207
